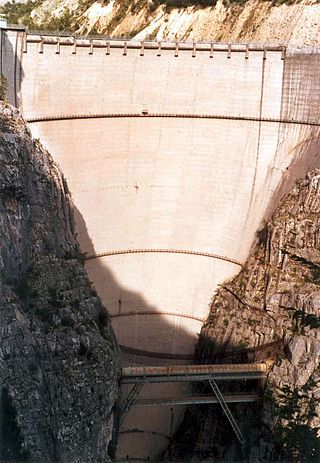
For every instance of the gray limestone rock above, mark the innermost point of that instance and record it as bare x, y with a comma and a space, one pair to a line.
297, 349
58, 353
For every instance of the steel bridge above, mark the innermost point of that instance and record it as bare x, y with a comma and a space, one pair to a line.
139, 376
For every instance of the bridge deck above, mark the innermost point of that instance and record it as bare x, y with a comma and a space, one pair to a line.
131, 375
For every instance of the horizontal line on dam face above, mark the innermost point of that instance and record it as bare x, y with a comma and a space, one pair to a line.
159, 355
154, 312
133, 460
66, 117
163, 251
144, 353
144, 431
190, 357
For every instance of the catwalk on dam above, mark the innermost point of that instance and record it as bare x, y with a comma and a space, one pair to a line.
173, 154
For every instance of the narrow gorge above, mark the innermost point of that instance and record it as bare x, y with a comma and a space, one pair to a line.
159, 239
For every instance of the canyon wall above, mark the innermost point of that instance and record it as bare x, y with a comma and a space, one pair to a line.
223, 20
58, 355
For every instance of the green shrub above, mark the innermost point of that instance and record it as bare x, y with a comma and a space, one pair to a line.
20, 13
293, 410
184, 3
61, 23
16, 12
301, 320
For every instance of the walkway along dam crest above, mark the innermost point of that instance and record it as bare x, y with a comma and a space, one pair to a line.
173, 153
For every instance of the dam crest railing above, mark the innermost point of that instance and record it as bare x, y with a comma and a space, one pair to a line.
73, 41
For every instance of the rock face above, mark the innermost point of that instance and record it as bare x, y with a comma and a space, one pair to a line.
58, 354
269, 312
274, 21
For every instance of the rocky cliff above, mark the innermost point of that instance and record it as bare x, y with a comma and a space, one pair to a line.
269, 312
58, 354
271, 21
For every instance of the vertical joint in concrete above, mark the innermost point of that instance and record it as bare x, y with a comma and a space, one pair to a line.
142, 49
247, 52
211, 50
229, 50
40, 48
283, 53
194, 50
108, 48
58, 46
176, 52
125, 49
264, 53
24, 43
159, 49
91, 48
74, 47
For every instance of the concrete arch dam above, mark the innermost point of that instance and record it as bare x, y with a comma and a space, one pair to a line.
173, 153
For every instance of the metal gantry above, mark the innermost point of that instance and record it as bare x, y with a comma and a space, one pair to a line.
139, 376
196, 400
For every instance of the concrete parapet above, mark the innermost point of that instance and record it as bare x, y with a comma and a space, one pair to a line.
110, 44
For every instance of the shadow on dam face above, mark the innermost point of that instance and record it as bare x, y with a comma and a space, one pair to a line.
147, 431
11, 64
107, 280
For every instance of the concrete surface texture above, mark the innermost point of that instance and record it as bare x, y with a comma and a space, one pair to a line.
173, 155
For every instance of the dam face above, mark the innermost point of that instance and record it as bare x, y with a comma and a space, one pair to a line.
172, 153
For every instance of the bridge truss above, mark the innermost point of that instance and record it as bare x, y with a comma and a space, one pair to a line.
139, 376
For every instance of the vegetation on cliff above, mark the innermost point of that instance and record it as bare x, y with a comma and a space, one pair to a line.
270, 21
19, 13
294, 408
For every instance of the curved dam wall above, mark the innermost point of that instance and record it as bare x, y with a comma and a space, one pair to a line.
173, 153
159, 183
